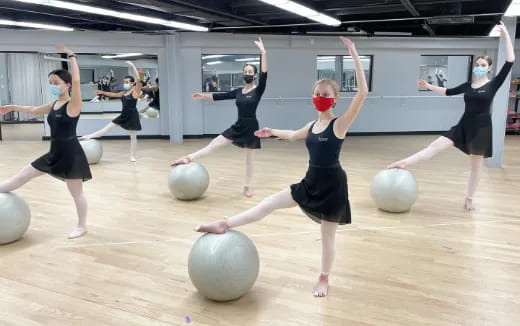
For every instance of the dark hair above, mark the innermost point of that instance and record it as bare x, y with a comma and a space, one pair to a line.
485, 57
255, 69
214, 78
157, 80
132, 79
63, 75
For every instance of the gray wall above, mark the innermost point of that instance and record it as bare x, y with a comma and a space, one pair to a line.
394, 104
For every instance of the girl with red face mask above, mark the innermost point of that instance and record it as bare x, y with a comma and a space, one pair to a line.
322, 194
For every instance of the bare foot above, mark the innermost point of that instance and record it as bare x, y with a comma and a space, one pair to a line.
468, 205
83, 138
78, 232
184, 160
219, 227
247, 192
322, 288
397, 165
132, 159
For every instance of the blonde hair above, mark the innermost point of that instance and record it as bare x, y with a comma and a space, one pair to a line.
330, 82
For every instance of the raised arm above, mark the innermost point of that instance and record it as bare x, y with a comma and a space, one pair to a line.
138, 86
76, 102
347, 118
510, 52
291, 135
263, 53
263, 74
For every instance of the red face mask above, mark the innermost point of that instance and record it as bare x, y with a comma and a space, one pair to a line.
323, 103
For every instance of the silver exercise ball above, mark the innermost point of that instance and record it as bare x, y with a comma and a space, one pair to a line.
15, 217
152, 113
223, 267
188, 181
93, 150
394, 190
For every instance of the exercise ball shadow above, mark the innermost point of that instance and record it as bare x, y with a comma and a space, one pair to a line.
394, 190
15, 217
93, 150
188, 181
223, 267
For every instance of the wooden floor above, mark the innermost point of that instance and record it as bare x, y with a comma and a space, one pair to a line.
436, 265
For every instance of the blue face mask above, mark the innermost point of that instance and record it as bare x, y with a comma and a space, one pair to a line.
127, 86
55, 90
480, 71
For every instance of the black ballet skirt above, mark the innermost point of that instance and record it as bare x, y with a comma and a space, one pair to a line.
473, 134
241, 133
66, 159
129, 117
323, 193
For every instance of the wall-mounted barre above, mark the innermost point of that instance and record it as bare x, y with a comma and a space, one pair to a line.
368, 97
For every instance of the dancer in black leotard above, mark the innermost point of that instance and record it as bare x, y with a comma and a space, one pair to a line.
66, 159
241, 133
473, 133
129, 117
322, 194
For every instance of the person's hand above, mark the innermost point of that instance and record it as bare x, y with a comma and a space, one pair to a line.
64, 49
422, 84
347, 42
501, 28
6, 109
98, 92
197, 96
260, 45
130, 63
264, 133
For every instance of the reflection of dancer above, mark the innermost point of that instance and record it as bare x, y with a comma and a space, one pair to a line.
441, 80
473, 134
153, 93
241, 133
212, 84
66, 159
129, 117
323, 193
104, 84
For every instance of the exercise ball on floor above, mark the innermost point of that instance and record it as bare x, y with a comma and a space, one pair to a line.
152, 113
93, 150
223, 267
188, 181
15, 217
394, 190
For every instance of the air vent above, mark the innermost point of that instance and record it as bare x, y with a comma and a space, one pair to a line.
451, 20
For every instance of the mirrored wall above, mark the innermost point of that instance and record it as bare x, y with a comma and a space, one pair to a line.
24, 81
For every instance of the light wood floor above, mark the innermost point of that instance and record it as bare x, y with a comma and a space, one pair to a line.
436, 265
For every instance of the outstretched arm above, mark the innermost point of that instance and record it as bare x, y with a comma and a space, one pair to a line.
284, 134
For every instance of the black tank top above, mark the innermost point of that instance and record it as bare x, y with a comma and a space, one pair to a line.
129, 102
324, 148
62, 126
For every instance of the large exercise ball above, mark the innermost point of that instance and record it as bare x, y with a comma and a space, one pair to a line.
394, 190
188, 181
152, 113
223, 267
15, 217
93, 150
